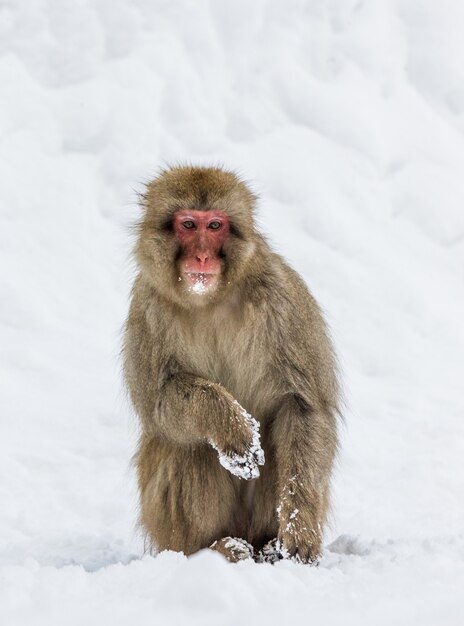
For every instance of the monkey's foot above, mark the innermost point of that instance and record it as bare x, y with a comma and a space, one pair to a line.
233, 549
271, 552
244, 465
275, 551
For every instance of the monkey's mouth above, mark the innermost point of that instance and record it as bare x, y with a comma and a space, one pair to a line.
201, 282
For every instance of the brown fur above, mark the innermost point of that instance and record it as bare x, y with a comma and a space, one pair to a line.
259, 339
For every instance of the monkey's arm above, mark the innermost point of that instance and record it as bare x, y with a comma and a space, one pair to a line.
170, 401
305, 424
187, 409
305, 452
192, 410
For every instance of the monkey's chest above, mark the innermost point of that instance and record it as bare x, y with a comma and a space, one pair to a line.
233, 357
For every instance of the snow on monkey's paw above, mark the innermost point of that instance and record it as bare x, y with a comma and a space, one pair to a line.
234, 549
244, 465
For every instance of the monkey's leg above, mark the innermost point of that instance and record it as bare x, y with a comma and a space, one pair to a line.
188, 500
305, 444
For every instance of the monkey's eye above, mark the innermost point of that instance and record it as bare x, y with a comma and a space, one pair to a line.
214, 225
188, 224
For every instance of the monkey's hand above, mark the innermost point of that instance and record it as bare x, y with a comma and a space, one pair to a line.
242, 456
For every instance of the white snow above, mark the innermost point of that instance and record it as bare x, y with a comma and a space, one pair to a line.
348, 116
200, 285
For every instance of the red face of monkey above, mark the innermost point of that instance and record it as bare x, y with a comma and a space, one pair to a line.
201, 235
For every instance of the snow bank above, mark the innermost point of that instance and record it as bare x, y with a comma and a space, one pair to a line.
349, 117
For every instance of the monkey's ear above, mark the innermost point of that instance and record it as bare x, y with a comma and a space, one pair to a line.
156, 207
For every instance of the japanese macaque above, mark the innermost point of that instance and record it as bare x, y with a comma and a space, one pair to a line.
232, 374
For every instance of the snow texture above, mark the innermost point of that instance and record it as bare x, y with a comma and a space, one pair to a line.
246, 465
200, 284
348, 116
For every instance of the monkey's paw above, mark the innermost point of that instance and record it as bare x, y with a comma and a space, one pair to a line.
271, 552
244, 465
233, 549
275, 551
299, 542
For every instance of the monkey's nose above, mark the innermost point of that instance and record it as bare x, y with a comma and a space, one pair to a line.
202, 257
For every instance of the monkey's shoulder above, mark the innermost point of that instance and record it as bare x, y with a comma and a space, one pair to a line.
281, 290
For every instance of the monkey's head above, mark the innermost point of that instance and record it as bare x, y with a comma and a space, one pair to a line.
196, 237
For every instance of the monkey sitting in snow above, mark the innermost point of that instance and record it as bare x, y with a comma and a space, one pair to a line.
231, 372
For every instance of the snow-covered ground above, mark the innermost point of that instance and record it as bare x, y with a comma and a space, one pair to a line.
348, 116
